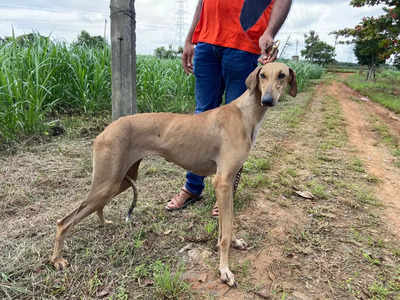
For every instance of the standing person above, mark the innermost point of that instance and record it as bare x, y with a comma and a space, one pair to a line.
229, 36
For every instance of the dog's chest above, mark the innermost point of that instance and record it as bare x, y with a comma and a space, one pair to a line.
255, 131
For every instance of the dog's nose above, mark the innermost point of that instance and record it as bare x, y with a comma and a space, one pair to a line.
267, 100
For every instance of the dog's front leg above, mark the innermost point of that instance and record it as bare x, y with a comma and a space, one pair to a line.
223, 190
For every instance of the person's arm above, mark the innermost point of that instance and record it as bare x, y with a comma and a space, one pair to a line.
188, 49
279, 13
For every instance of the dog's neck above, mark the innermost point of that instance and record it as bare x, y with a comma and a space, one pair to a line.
249, 104
252, 111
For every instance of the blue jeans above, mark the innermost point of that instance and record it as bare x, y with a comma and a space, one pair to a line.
217, 70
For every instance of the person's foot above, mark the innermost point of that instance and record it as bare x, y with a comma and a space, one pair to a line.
182, 200
215, 211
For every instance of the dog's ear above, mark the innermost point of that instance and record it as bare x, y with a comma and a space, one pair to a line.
292, 83
252, 79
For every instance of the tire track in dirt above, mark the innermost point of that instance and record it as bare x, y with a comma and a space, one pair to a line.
376, 157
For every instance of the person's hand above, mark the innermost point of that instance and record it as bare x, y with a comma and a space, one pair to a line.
187, 57
268, 53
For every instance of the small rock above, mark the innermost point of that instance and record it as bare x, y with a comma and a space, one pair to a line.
395, 118
105, 292
264, 294
305, 194
199, 256
203, 277
193, 276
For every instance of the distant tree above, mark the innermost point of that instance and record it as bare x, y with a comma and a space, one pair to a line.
317, 51
368, 53
379, 35
180, 50
396, 62
85, 39
163, 53
159, 52
25, 39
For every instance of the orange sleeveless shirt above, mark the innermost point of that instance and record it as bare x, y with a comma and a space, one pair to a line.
223, 23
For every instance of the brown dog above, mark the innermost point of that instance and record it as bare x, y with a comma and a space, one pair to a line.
217, 142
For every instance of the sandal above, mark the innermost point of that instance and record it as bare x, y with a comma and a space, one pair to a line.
215, 211
190, 199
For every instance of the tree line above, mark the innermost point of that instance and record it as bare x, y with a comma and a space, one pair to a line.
375, 39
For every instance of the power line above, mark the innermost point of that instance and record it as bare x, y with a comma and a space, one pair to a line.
180, 21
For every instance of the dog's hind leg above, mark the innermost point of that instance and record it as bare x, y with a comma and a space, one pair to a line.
128, 181
98, 197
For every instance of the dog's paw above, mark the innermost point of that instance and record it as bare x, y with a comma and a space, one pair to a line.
60, 263
227, 277
239, 244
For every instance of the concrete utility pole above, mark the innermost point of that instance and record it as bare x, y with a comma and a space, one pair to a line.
123, 57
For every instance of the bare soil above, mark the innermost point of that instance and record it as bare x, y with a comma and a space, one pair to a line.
341, 243
377, 158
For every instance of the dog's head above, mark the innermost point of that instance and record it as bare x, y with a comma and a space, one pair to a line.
270, 80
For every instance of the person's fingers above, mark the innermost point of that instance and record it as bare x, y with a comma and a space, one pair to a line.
184, 55
187, 62
262, 60
272, 57
266, 57
187, 59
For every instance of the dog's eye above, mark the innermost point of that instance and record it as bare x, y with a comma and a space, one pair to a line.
281, 76
262, 75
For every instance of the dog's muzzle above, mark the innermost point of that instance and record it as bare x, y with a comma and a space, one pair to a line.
267, 100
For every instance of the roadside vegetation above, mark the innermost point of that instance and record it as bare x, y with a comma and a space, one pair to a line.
384, 90
43, 80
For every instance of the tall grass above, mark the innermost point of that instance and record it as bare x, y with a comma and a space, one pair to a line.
26, 87
162, 85
42, 78
305, 72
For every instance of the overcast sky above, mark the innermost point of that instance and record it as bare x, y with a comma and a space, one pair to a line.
157, 21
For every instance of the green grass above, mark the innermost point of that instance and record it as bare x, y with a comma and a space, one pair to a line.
162, 85
385, 90
169, 285
43, 79
388, 139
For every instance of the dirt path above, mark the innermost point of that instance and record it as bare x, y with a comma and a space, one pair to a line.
337, 244
376, 156
271, 266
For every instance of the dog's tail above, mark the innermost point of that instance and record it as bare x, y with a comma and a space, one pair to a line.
135, 195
